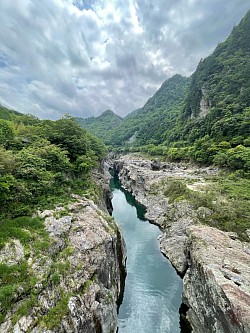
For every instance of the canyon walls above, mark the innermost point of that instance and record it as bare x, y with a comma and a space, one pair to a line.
214, 264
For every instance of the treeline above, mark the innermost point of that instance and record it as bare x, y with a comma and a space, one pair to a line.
42, 161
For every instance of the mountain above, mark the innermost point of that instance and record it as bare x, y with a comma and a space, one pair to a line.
7, 114
222, 80
205, 118
101, 126
147, 124
215, 121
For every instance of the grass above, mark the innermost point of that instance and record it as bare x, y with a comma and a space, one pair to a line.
176, 190
24, 308
56, 314
21, 228
61, 267
14, 274
33, 237
6, 296
227, 197
55, 278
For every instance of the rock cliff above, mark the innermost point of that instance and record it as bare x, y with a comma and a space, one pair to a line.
75, 277
214, 264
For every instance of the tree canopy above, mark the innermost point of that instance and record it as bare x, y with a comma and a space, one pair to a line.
43, 159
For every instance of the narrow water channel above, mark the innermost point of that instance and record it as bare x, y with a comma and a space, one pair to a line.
152, 295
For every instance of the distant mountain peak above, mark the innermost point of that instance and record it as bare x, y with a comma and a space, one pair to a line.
108, 113
101, 125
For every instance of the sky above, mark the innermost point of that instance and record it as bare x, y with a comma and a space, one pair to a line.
82, 57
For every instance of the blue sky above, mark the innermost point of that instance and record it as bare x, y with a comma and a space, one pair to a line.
83, 57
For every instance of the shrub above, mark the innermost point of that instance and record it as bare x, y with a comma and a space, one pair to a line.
176, 189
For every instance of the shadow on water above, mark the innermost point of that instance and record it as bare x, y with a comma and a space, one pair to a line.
152, 295
140, 209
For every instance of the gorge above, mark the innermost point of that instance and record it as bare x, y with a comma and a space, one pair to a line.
153, 290
214, 264
184, 157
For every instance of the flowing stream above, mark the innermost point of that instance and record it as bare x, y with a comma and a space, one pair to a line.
152, 294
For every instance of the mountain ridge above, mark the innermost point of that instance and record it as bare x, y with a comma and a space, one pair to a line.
101, 125
204, 118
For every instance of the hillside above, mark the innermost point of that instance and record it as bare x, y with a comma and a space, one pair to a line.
101, 126
147, 124
42, 161
215, 122
48, 182
205, 118
7, 114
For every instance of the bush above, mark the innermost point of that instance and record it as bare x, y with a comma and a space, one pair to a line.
176, 189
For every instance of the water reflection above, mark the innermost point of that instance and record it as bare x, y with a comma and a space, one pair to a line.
152, 295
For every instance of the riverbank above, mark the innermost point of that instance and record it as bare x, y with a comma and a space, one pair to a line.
214, 264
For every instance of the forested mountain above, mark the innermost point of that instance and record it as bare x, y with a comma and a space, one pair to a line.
148, 123
8, 114
205, 118
144, 125
42, 161
214, 126
101, 126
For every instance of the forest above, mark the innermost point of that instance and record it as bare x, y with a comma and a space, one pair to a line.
43, 161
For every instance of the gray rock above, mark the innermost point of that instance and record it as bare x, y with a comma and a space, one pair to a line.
12, 253
216, 286
155, 165
215, 264
88, 255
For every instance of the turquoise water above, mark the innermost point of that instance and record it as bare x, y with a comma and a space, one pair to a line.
152, 294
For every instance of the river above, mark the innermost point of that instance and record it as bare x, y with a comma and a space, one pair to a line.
152, 294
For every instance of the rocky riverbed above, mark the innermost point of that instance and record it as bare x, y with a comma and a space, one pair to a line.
214, 264
76, 282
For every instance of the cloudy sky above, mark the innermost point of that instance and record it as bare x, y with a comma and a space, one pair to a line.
85, 56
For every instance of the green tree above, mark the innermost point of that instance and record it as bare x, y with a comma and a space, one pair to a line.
6, 133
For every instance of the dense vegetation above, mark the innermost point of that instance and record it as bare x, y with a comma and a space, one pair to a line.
41, 161
221, 83
101, 126
148, 123
144, 125
205, 118
41, 164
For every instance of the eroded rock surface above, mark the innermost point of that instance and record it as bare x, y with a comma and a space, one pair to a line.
77, 280
214, 264
217, 282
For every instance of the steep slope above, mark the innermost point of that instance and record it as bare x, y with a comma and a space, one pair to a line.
216, 118
160, 111
61, 270
101, 126
7, 114
205, 118
67, 277
222, 80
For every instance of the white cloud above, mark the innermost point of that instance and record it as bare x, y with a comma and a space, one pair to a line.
82, 57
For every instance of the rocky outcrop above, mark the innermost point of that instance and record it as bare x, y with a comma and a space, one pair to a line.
217, 282
214, 264
76, 280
